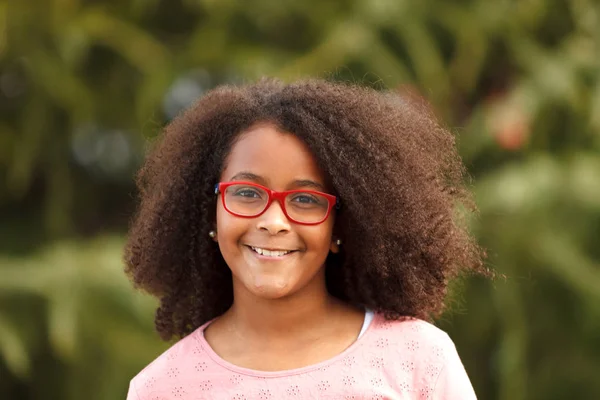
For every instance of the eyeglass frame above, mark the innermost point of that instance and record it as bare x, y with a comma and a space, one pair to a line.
333, 201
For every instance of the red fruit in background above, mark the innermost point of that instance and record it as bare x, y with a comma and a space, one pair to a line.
513, 133
508, 123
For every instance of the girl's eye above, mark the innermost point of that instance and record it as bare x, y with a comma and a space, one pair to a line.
247, 192
307, 203
305, 198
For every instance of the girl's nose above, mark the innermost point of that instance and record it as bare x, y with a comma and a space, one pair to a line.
274, 220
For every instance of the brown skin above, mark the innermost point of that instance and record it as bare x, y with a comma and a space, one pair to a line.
395, 169
281, 305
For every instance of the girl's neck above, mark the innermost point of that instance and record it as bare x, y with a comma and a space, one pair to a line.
285, 318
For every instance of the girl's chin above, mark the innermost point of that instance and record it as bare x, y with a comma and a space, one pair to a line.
270, 288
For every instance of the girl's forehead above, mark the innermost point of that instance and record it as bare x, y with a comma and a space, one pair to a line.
278, 157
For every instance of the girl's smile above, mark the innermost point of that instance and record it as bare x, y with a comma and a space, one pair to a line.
271, 253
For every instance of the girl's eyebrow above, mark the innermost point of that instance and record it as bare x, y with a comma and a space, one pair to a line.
249, 176
309, 183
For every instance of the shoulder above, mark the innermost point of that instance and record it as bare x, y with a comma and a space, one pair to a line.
411, 344
425, 342
422, 353
412, 329
169, 365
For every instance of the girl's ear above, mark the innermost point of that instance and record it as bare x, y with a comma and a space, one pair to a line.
334, 247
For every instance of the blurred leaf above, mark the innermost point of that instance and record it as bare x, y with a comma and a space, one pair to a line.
428, 64
573, 267
512, 350
26, 149
345, 39
13, 349
134, 44
63, 323
521, 188
65, 88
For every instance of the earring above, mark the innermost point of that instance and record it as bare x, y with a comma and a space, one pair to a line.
212, 234
338, 242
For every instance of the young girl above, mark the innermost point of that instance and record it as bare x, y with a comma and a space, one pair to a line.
298, 236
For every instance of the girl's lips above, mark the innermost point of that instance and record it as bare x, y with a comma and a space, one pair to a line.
270, 248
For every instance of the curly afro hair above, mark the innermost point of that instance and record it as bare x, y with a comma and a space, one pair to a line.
394, 167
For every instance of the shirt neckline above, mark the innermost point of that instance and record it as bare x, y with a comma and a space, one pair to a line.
199, 336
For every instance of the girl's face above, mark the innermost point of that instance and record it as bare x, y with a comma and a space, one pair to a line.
280, 161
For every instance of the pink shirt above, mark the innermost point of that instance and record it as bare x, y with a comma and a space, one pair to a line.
409, 359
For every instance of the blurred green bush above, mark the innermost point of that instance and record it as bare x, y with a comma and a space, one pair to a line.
84, 84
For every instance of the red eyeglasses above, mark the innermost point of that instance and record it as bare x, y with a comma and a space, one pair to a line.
249, 200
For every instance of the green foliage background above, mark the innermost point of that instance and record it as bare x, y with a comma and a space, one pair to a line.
84, 84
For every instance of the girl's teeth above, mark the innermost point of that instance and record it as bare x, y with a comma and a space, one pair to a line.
270, 253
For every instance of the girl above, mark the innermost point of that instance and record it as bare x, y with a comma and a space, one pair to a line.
298, 236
